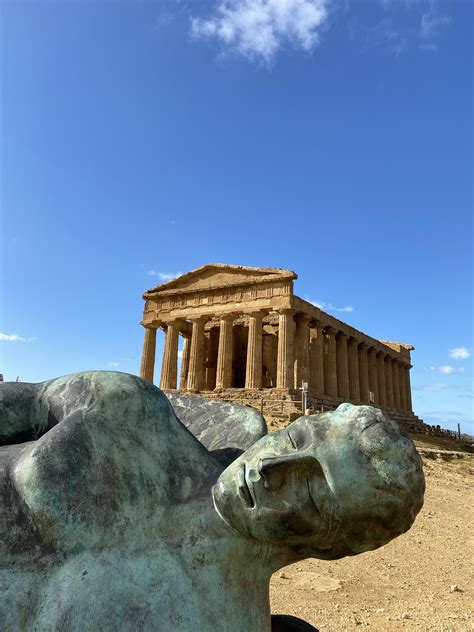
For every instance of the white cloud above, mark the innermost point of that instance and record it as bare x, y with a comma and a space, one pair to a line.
329, 307
15, 338
180, 354
113, 364
459, 353
258, 29
446, 369
164, 276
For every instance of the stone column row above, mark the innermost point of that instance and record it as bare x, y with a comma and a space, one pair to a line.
192, 365
333, 363
345, 368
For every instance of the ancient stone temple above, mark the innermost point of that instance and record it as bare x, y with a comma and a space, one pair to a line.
245, 332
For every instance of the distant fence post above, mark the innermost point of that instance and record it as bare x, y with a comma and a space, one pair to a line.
459, 431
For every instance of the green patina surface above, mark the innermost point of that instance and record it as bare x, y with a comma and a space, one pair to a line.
115, 517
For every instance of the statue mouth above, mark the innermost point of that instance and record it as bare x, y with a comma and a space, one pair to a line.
244, 489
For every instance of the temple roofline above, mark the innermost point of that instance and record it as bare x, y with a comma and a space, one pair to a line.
266, 274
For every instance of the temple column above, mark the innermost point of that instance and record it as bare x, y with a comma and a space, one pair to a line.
148, 354
363, 372
389, 381
196, 356
330, 366
169, 364
285, 376
301, 363
253, 373
396, 385
316, 361
224, 354
373, 385
408, 387
212, 350
342, 366
381, 378
403, 390
353, 359
183, 377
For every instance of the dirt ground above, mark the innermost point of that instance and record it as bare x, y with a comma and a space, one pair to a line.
423, 580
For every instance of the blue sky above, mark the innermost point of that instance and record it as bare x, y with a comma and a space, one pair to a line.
141, 139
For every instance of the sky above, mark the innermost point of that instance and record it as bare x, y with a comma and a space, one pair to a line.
141, 140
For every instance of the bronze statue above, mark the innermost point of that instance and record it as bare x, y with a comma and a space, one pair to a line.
116, 517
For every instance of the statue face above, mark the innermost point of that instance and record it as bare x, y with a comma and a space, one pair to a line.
324, 484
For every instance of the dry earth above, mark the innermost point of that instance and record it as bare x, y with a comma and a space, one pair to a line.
423, 580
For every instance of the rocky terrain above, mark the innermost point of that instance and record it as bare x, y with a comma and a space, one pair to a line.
421, 581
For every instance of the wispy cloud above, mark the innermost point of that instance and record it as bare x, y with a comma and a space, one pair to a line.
442, 413
445, 369
402, 25
329, 307
113, 363
164, 276
459, 353
387, 36
15, 338
433, 387
258, 29
442, 417
431, 25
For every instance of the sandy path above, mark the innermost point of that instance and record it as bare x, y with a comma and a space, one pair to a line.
421, 581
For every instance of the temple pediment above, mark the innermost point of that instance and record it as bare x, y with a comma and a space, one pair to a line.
220, 275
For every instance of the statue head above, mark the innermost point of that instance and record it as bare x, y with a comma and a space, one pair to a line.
329, 485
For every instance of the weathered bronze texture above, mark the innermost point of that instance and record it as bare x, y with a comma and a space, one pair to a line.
116, 516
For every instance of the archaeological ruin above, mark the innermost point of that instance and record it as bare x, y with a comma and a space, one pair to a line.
248, 338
